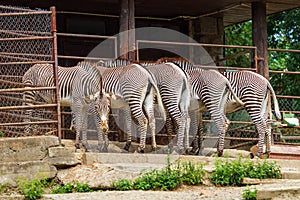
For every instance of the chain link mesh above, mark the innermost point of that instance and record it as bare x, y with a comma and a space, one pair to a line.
25, 36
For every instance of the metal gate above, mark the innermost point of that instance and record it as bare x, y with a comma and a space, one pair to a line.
27, 37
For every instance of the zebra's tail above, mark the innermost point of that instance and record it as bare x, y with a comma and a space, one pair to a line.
159, 100
238, 100
276, 105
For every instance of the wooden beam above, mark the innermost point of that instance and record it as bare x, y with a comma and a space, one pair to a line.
127, 22
259, 36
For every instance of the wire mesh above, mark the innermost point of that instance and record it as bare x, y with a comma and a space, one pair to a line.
25, 39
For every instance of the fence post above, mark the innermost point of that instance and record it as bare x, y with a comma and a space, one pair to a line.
55, 66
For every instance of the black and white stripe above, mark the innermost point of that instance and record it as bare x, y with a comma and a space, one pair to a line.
134, 86
79, 87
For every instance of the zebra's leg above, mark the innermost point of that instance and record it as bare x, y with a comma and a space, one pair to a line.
184, 105
266, 114
128, 120
149, 112
187, 128
260, 125
84, 116
79, 113
194, 131
170, 129
102, 145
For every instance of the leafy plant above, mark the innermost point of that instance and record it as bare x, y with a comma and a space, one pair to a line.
1, 134
192, 174
166, 179
72, 187
3, 187
31, 189
123, 185
249, 193
231, 172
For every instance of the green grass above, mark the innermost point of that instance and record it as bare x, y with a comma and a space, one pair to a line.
168, 178
231, 172
249, 193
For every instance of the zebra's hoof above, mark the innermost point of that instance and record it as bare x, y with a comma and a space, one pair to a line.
127, 146
220, 153
194, 151
77, 147
140, 150
179, 150
103, 149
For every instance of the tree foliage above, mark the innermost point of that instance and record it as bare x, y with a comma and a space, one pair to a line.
283, 33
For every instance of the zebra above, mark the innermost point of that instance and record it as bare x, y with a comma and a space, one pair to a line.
254, 90
132, 85
174, 89
80, 87
209, 91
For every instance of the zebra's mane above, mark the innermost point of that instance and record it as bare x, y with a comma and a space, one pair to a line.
114, 63
89, 67
180, 62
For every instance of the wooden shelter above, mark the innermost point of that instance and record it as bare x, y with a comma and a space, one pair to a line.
202, 20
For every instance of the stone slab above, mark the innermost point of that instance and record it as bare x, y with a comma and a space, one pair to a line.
11, 172
26, 148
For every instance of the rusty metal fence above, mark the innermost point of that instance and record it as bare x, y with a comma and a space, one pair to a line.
241, 130
27, 37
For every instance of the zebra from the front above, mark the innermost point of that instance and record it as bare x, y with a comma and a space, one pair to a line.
79, 87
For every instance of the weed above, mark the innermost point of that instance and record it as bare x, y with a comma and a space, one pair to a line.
123, 185
4, 187
1, 134
71, 187
30, 189
231, 172
166, 179
249, 193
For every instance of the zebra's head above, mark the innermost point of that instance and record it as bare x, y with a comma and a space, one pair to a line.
102, 104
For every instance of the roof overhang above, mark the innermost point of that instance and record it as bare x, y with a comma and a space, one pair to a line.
233, 11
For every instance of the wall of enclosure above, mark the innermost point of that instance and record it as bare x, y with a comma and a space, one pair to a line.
25, 39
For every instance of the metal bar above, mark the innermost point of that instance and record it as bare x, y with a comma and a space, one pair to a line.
285, 50
283, 72
83, 58
25, 13
231, 138
195, 44
231, 122
27, 63
290, 137
25, 54
240, 145
288, 97
26, 89
27, 107
27, 123
28, 38
55, 69
86, 36
224, 67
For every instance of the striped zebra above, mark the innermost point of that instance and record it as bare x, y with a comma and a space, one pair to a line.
254, 90
209, 91
81, 88
174, 89
131, 85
